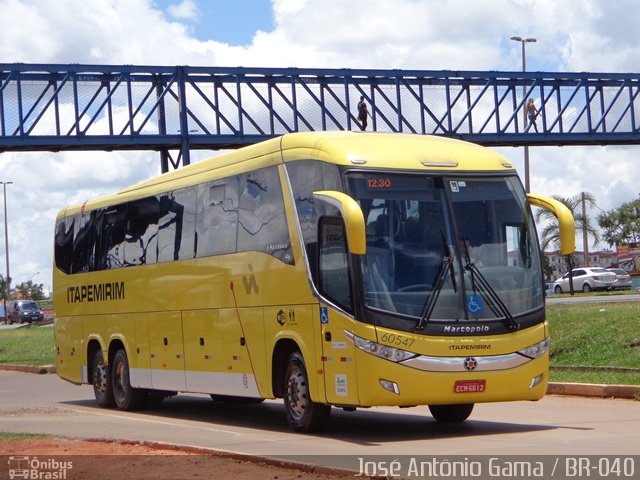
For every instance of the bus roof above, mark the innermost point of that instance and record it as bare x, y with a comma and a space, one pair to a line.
362, 149
391, 150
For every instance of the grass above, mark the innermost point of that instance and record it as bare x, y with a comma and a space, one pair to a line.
595, 334
12, 437
610, 378
27, 346
584, 335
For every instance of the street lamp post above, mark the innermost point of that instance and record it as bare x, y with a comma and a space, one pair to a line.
6, 248
524, 41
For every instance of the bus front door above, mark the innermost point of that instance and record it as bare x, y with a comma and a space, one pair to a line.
338, 359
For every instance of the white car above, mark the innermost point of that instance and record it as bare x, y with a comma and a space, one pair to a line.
586, 279
623, 279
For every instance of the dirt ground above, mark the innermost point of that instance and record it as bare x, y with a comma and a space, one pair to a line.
105, 460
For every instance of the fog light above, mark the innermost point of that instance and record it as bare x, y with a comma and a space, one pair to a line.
391, 386
536, 381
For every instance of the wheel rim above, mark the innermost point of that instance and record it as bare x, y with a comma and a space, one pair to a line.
297, 394
100, 378
118, 384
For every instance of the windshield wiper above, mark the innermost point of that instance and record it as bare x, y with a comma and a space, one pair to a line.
430, 303
486, 290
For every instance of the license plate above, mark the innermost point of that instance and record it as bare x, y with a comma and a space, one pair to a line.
469, 386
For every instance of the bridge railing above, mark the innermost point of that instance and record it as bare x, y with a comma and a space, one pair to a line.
107, 107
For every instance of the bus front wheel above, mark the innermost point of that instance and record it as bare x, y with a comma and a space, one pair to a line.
303, 414
126, 397
101, 380
451, 413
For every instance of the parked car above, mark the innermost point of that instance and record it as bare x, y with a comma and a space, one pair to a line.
21, 311
623, 279
586, 279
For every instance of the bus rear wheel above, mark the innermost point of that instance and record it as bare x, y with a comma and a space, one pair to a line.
101, 380
126, 397
451, 413
303, 414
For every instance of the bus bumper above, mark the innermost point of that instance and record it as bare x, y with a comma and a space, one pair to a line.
396, 384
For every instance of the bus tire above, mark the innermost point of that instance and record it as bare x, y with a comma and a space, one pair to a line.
126, 397
101, 380
451, 413
303, 414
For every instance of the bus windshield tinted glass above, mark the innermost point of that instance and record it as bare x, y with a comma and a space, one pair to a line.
416, 223
496, 236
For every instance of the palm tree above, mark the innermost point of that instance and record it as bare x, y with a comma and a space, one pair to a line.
550, 234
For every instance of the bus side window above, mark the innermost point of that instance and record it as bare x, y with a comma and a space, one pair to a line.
111, 246
185, 201
64, 244
262, 222
216, 217
306, 177
333, 269
171, 216
81, 243
142, 229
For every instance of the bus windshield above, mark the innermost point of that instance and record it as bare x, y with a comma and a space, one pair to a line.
468, 242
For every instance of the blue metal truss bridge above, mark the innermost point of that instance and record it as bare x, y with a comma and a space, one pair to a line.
175, 109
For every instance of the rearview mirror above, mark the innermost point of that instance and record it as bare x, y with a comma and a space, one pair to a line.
352, 216
565, 220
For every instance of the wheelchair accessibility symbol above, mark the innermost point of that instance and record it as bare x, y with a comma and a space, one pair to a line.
474, 304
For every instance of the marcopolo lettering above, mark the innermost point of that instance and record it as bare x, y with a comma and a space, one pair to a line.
98, 292
466, 329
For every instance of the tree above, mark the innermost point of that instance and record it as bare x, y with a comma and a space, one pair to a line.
3, 288
31, 290
547, 268
622, 224
550, 234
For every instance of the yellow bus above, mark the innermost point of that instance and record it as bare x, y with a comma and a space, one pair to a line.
340, 269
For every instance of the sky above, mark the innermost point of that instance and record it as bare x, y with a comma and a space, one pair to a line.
572, 36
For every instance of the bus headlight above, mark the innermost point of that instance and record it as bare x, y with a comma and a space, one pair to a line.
537, 350
383, 351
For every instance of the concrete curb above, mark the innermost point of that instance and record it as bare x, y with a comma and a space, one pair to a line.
577, 389
42, 369
594, 390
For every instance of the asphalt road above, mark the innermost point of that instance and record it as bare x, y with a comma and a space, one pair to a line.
566, 298
556, 425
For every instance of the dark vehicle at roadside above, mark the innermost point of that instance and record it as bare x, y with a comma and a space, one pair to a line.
548, 289
21, 311
623, 279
